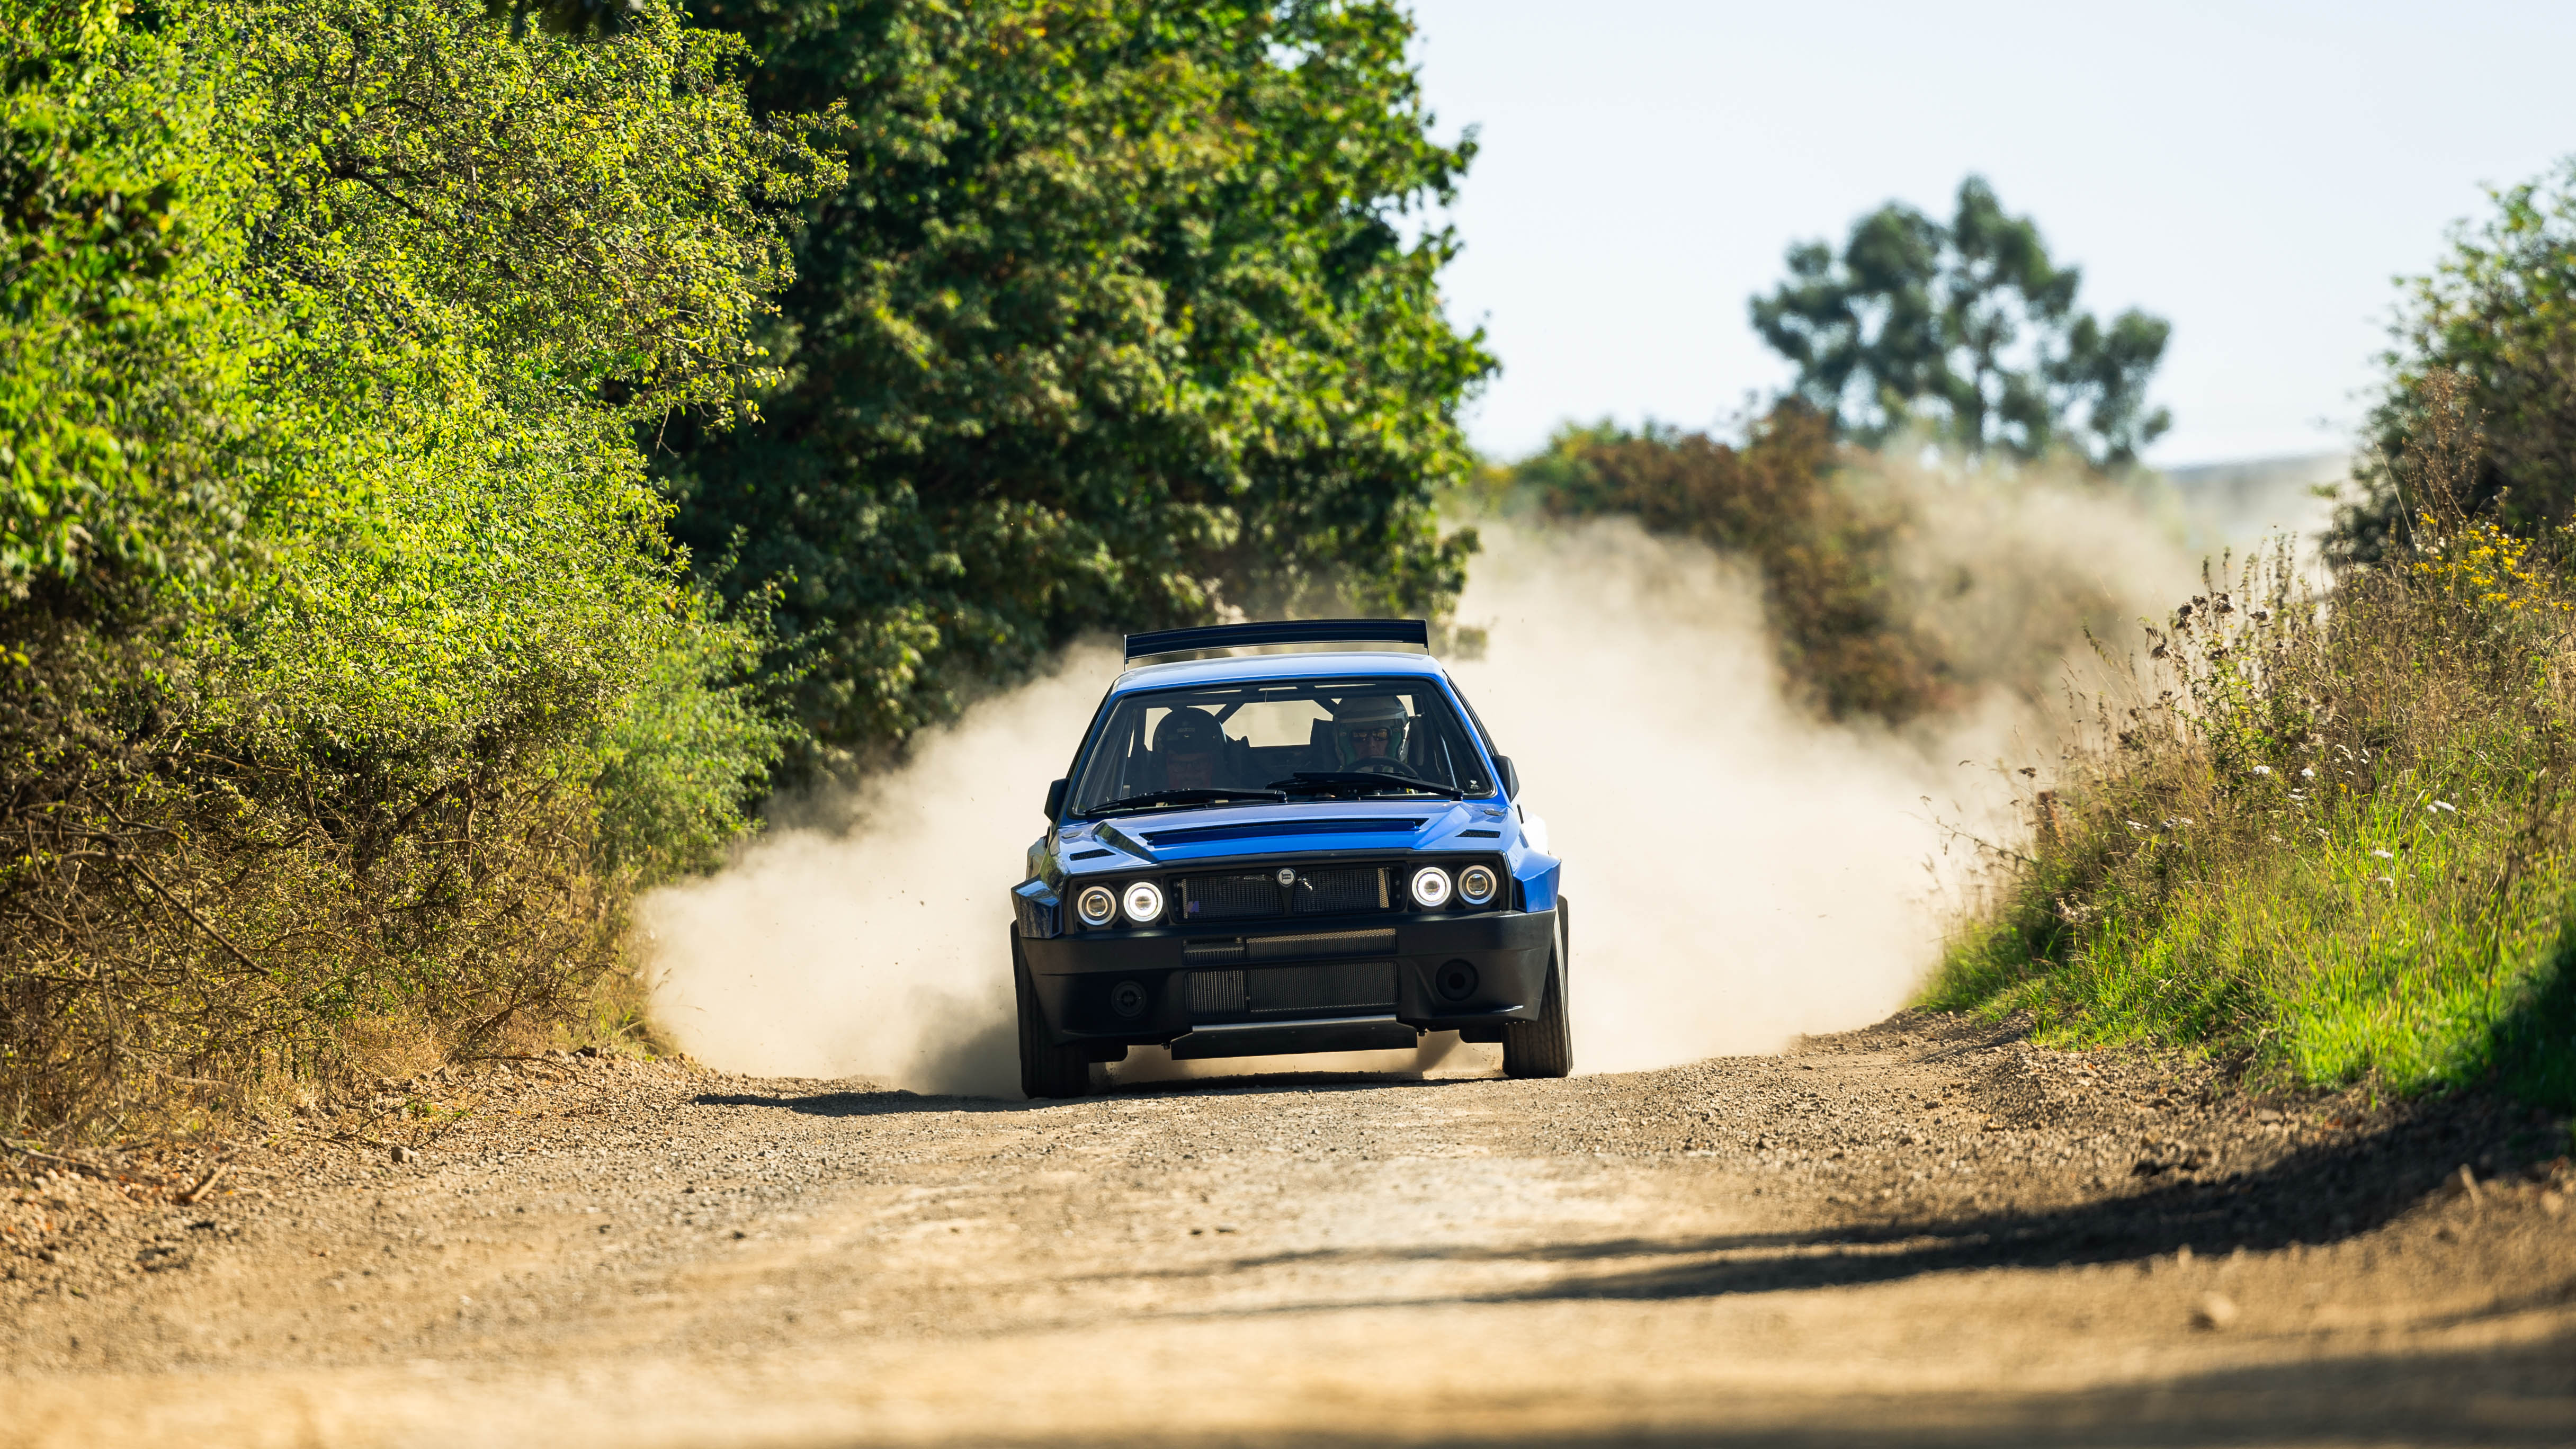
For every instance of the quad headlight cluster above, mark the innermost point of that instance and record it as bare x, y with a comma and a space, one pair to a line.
1142, 901
1430, 888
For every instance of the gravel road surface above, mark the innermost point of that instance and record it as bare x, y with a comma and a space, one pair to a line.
1929, 1232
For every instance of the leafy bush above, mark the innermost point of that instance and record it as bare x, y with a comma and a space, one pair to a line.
2328, 834
347, 653
125, 390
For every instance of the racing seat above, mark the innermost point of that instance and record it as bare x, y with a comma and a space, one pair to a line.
1319, 747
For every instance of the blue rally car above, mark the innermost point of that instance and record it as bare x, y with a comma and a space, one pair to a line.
1276, 853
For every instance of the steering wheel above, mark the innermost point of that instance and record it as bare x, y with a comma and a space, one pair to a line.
1380, 765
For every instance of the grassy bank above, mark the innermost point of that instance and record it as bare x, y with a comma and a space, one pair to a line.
2327, 832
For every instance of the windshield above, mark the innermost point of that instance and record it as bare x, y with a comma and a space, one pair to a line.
1180, 747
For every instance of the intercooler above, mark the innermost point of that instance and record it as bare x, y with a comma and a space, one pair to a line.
1278, 990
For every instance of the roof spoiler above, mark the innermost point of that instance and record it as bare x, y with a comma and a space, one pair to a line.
1280, 631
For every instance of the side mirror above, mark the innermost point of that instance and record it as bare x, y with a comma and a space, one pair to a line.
1055, 799
1511, 777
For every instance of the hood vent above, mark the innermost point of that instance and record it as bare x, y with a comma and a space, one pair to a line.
1258, 829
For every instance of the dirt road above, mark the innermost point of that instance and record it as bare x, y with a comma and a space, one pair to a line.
1924, 1233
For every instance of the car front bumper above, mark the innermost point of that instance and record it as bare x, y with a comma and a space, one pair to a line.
1349, 983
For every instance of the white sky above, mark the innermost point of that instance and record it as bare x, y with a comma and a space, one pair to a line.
2254, 172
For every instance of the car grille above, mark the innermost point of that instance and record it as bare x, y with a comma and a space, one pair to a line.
1229, 897
1340, 986
1329, 891
1321, 891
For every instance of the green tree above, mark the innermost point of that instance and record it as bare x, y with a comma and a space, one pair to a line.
1127, 312
2497, 317
1968, 332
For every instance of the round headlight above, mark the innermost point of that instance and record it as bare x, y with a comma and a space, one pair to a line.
1095, 905
1431, 887
1476, 884
1144, 902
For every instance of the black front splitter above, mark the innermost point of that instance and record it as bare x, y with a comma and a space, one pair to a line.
1289, 1038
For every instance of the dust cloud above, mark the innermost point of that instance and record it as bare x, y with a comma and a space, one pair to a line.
1740, 873
879, 949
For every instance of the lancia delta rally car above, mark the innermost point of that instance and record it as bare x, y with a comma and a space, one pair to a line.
1280, 853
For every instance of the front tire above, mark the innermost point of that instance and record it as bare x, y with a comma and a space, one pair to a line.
1046, 1070
1545, 1047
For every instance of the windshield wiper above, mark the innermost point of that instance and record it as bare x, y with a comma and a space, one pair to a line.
1337, 779
1152, 798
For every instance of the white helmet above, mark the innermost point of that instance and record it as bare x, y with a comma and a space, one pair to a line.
1370, 713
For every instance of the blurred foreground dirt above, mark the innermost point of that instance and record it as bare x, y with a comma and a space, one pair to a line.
1925, 1233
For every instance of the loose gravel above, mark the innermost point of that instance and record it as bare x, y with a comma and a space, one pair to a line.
1928, 1231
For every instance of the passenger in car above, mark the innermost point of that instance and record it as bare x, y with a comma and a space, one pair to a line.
1192, 748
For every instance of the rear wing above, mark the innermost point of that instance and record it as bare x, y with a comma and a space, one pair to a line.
1280, 631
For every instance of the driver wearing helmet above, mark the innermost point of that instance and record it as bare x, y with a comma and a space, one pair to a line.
1191, 745
1369, 734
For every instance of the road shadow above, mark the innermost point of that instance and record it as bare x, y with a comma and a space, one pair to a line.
2315, 1196
2511, 1395
861, 1102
